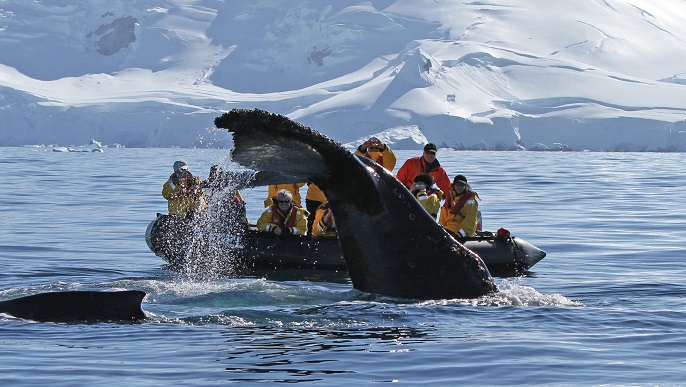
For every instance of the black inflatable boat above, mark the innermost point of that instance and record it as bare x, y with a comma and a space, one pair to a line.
168, 237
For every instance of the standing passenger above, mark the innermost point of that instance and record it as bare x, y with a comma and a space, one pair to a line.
426, 163
313, 199
376, 150
183, 192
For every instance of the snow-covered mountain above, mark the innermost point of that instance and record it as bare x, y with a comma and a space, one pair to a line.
492, 74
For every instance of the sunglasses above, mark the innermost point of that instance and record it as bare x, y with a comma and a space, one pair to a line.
284, 201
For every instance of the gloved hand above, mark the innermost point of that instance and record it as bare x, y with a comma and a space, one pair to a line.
460, 235
376, 143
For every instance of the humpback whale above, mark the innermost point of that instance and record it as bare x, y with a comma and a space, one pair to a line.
77, 306
390, 244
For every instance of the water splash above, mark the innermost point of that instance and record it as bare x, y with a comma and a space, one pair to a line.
214, 248
512, 292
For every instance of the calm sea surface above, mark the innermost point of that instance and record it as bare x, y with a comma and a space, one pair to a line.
607, 306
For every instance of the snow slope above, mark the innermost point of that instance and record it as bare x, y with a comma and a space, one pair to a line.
589, 74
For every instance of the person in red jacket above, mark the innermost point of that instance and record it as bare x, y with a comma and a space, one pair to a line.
426, 163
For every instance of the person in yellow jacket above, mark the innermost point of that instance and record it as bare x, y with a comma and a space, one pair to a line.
427, 193
183, 192
313, 200
294, 189
376, 150
324, 222
459, 212
284, 217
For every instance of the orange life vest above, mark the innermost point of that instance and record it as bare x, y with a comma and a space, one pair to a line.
288, 221
329, 228
457, 207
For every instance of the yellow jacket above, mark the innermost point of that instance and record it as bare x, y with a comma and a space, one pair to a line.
385, 158
294, 189
314, 193
430, 202
464, 222
323, 225
295, 220
182, 199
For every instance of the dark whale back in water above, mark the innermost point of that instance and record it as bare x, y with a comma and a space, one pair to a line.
390, 244
77, 306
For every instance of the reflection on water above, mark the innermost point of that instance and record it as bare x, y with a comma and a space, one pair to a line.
269, 353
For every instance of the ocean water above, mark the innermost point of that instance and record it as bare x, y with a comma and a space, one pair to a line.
606, 306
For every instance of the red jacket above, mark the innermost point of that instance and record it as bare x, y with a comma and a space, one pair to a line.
417, 165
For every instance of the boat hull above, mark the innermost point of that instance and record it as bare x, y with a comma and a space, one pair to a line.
504, 257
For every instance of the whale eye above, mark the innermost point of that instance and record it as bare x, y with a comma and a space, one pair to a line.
413, 216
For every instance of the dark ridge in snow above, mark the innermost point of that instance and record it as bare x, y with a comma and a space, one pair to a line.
116, 35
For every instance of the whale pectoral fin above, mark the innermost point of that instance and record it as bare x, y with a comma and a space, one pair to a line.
76, 306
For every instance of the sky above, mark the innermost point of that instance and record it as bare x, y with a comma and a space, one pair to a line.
601, 75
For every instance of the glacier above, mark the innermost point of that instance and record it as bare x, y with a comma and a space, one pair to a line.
600, 75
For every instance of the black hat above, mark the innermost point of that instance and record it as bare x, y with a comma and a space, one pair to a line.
460, 178
425, 178
430, 148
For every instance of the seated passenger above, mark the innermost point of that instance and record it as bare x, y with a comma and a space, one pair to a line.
428, 194
459, 212
283, 218
376, 150
183, 192
324, 222
294, 189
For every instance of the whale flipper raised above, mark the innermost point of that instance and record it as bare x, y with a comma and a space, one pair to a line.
390, 244
77, 306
